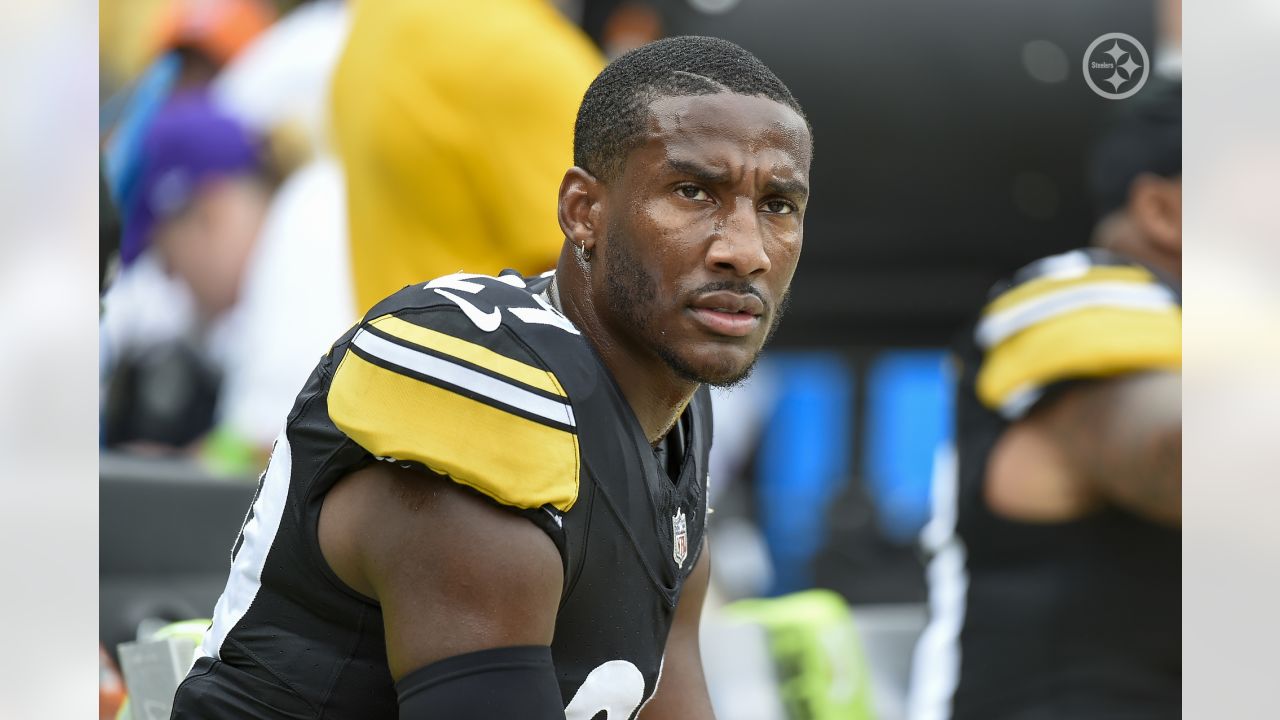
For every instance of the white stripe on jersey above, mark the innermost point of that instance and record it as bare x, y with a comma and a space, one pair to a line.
1020, 400
935, 668
257, 536
464, 377
996, 328
1073, 263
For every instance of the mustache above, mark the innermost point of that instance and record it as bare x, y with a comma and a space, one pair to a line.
742, 287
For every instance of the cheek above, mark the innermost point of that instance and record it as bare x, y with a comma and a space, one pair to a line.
784, 254
179, 244
668, 240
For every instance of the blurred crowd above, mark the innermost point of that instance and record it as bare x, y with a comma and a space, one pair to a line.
259, 194
230, 209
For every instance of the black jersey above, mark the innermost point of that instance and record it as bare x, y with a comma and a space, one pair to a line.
479, 379
1078, 619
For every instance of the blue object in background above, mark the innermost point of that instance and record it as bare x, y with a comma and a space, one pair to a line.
804, 460
908, 412
135, 107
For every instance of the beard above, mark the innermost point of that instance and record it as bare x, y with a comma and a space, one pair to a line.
632, 293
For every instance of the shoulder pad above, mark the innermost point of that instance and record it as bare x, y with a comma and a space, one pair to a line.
450, 386
1083, 314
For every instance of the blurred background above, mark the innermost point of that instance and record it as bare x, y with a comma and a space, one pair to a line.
247, 153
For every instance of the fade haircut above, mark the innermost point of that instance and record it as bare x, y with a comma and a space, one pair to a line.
612, 120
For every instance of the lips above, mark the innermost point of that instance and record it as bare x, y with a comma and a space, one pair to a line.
728, 313
730, 302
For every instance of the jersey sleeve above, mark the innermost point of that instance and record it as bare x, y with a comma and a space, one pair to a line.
1073, 317
426, 387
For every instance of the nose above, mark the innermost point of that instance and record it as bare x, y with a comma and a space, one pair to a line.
737, 246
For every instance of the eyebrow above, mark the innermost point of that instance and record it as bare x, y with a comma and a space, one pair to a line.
713, 176
788, 188
701, 173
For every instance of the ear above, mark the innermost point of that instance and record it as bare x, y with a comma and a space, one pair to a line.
1155, 204
581, 209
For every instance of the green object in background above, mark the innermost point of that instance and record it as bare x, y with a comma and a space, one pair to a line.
817, 654
226, 452
192, 630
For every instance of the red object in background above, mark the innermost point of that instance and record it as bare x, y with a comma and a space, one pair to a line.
218, 28
629, 26
110, 686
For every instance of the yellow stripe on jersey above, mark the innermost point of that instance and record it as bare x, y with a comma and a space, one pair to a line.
470, 352
1038, 287
1088, 343
514, 460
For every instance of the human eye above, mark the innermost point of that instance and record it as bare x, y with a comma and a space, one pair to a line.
692, 192
778, 207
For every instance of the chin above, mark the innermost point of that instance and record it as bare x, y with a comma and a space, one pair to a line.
719, 368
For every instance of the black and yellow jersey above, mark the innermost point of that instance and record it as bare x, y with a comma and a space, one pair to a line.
1076, 619
482, 380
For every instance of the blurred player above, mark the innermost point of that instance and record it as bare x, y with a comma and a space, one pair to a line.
490, 498
1055, 580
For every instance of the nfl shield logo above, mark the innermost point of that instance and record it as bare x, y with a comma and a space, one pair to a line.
680, 533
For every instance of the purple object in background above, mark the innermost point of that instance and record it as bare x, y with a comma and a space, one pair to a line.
188, 143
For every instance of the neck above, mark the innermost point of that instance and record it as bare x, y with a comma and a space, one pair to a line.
655, 393
1119, 233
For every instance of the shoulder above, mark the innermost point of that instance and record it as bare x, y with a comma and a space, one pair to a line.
462, 375
488, 310
1079, 315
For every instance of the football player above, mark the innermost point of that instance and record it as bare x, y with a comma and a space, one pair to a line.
1055, 581
489, 500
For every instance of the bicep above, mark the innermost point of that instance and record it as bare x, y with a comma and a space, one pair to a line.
1117, 441
453, 572
1137, 437
682, 688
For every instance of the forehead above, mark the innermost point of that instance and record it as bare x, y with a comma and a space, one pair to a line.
726, 128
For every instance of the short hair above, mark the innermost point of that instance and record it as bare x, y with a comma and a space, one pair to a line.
612, 120
1144, 136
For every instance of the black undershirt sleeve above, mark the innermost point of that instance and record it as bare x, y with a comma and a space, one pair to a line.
497, 684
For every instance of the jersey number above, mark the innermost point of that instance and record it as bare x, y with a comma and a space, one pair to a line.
615, 688
450, 285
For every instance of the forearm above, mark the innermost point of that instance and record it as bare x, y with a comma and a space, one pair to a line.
682, 690
684, 695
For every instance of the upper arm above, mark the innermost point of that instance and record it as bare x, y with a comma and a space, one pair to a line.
1103, 337
682, 688
453, 572
475, 425
1116, 441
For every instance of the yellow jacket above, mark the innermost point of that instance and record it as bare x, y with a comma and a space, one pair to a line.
454, 122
